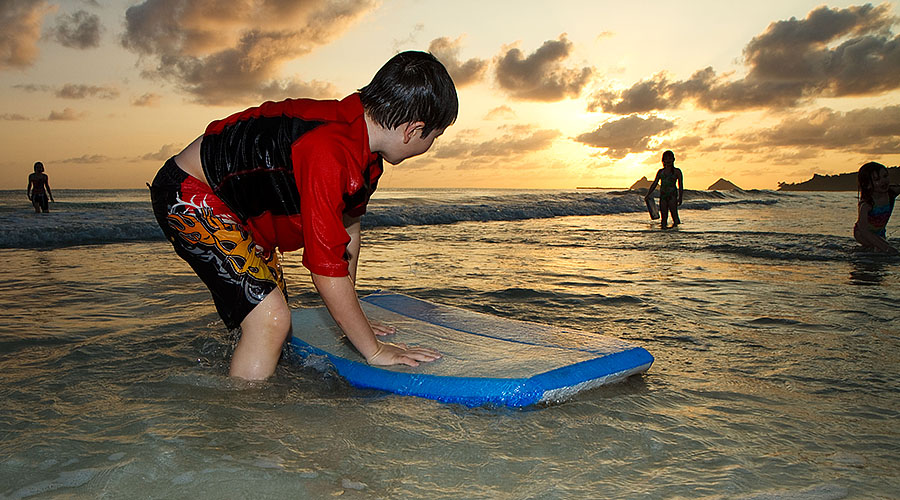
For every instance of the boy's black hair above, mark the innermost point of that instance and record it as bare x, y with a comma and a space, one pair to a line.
668, 153
411, 86
864, 180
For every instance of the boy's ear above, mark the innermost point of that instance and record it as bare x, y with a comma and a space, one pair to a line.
410, 129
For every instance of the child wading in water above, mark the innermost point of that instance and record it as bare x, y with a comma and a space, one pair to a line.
38, 190
670, 196
876, 202
298, 174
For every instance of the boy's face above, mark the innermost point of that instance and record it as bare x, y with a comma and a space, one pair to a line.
408, 142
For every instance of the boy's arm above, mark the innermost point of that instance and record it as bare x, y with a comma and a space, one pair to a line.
351, 224
49, 193
340, 298
28, 188
680, 180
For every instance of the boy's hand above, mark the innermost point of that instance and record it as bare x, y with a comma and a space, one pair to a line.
401, 354
381, 329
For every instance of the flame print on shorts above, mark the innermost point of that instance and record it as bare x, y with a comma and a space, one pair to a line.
231, 245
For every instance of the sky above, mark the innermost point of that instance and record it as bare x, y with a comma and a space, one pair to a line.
553, 95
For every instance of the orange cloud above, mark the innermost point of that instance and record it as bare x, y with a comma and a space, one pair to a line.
20, 30
224, 51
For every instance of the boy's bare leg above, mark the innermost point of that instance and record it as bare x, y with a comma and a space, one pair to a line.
262, 336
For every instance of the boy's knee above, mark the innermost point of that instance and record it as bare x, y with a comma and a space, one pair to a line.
272, 316
278, 319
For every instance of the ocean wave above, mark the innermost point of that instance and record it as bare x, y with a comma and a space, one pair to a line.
85, 221
63, 229
522, 206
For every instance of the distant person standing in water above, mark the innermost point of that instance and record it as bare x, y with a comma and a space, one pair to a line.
876, 203
671, 189
38, 189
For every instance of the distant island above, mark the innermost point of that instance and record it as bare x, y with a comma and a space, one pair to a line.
722, 185
644, 184
641, 183
839, 182
719, 185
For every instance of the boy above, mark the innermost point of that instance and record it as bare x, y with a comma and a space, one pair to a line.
292, 174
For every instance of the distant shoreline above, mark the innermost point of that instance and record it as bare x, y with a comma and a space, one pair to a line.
838, 182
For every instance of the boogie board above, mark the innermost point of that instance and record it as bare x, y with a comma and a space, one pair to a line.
487, 360
652, 208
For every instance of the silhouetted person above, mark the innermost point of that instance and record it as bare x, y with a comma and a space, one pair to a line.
671, 189
876, 202
39, 189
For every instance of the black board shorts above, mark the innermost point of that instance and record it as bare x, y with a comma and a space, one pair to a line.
211, 239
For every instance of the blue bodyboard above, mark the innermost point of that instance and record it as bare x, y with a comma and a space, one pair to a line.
487, 360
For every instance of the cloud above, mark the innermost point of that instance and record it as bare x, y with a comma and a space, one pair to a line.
410, 39
684, 142
868, 130
77, 91
80, 30
830, 53
31, 87
72, 90
149, 99
67, 114
632, 134
503, 112
276, 89
463, 73
20, 30
222, 52
646, 95
540, 76
515, 141
86, 159
780, 157
165, 152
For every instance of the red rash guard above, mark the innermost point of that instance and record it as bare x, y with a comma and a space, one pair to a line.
290, 170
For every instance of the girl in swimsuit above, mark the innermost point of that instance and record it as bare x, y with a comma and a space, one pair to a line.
670, 194
876, 202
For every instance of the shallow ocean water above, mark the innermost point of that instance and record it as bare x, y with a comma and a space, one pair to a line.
776, 344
